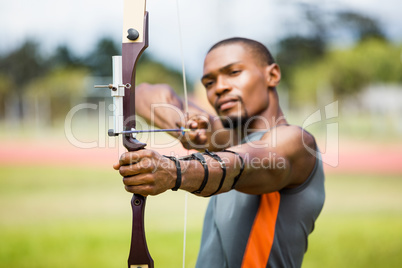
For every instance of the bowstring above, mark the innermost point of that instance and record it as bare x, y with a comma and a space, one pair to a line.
183, 69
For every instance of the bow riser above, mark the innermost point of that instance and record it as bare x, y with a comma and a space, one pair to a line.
135, 27
130, 54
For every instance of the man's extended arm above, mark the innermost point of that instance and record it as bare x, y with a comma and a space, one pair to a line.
269, 165
160, 106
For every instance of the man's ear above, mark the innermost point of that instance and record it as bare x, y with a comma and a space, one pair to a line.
273, 75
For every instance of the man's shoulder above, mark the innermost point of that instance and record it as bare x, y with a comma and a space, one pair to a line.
296, 144
289, 133
291, 141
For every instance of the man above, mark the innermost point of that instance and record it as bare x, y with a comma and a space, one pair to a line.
267, 188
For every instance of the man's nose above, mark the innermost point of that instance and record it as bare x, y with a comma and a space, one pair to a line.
222, 86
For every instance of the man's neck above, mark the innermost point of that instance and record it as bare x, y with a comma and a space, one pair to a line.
268, 119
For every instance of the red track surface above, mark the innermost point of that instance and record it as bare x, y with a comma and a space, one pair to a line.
352, 158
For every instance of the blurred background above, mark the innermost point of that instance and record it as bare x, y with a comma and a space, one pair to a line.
62, 205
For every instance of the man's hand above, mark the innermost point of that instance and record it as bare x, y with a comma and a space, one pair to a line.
198, 136
146, 172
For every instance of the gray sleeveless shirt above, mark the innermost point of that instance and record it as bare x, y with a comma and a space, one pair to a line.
231, 218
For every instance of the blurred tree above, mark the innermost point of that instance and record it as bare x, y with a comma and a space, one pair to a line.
55, 93
20, 67
349, 71
99, 60
297, 50
64, 57
361, 27
6, 85
55, 81
320, 28
371, 61
151, 71
23, 64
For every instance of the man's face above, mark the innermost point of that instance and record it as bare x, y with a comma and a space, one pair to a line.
236, 84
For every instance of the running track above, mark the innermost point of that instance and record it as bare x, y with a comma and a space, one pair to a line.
353, 157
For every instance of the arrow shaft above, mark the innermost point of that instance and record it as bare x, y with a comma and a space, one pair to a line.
155, 130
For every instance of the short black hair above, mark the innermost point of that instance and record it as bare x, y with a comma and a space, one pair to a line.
260, 51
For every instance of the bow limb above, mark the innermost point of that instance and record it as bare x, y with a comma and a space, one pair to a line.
135, 41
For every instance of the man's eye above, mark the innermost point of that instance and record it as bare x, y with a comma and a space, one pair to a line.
235, 72
208, 84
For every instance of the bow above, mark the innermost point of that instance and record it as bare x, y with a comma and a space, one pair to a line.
135, 41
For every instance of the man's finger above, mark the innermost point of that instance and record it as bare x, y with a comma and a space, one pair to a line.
140, 184
135, 157
193, 125
145, 166
129, 158
142, 190
116, 166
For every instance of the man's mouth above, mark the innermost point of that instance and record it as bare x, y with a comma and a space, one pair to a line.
226, 104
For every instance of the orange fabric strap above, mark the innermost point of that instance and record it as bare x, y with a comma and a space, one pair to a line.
262, 233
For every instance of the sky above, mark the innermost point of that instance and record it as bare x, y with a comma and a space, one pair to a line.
81, 23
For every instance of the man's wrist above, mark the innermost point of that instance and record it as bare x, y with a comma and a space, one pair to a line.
178, 172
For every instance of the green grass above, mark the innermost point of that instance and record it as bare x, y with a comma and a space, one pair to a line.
362, 240
360, 225
71, 217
